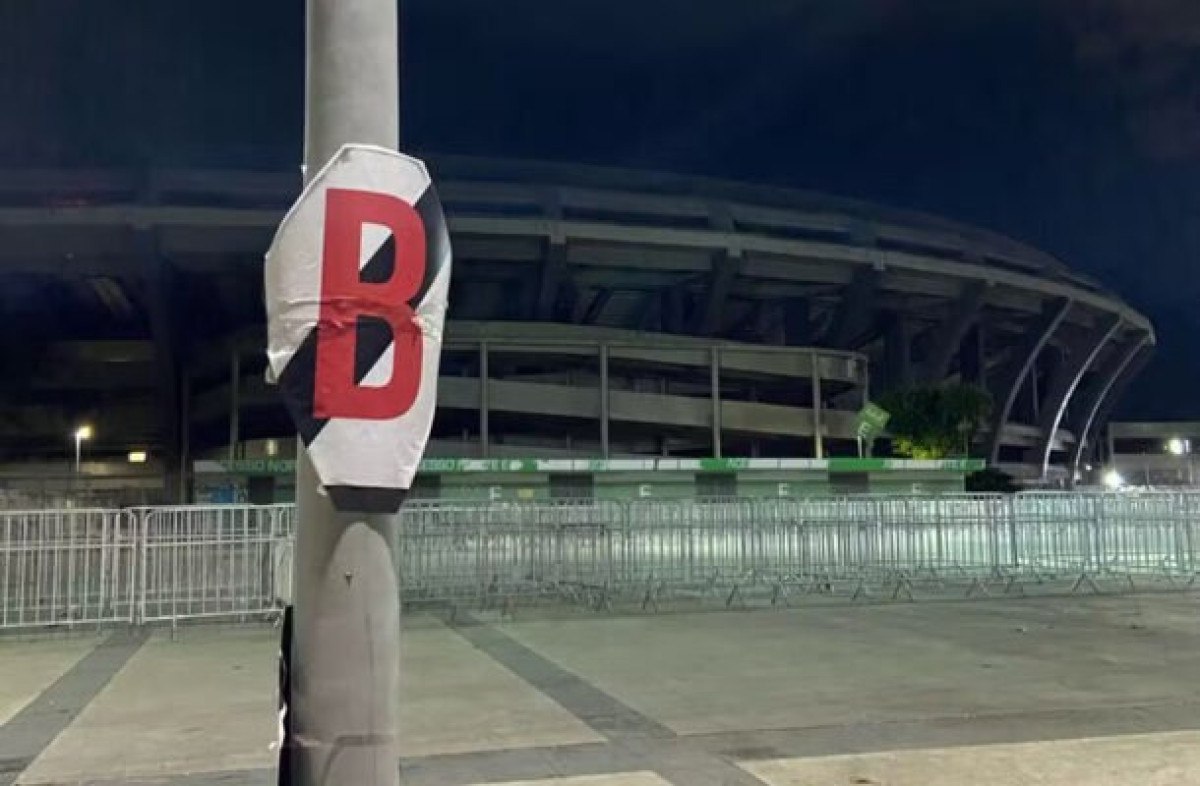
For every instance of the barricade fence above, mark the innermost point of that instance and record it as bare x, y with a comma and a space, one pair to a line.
66, 565
63, 568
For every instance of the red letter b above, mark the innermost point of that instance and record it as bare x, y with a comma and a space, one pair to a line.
346, 298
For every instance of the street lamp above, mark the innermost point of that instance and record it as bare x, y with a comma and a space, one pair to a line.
1183, 449
82, 433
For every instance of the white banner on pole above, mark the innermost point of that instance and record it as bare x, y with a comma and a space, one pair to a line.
356, 285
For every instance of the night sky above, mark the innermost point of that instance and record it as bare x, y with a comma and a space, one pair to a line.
1071, 124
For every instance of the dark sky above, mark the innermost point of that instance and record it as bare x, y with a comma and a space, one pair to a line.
1071, 124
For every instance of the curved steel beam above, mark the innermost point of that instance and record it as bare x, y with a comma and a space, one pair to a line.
726, 265
1075, 365
971, 362
897, 354
1116, 393
856, 312
1103, 394
725, 270
1013, 376
795, 328
552, 275
949, 333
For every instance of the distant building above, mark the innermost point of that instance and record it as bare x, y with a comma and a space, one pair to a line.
1154, 453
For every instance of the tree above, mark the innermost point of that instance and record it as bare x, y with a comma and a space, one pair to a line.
935, 421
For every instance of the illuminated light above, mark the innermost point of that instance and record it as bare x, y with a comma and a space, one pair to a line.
137, 457
1177, 446
82, 433
1113, 479
272, 447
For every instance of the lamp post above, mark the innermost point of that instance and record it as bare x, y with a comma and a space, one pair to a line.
1183, 449
82, 433
345, 666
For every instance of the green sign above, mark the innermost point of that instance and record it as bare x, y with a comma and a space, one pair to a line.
501, 466
902, 465
872, 420
259, 466
478, 465
724, 464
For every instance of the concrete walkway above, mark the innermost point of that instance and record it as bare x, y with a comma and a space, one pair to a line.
1048, 691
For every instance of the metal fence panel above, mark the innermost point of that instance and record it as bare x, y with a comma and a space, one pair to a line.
66, 568
210, 561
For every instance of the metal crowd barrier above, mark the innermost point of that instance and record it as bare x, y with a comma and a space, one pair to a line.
214, 561
67, 567
171, 564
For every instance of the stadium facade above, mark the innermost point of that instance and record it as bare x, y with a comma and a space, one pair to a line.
594, 312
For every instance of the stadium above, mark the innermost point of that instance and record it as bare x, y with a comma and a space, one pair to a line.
594, 313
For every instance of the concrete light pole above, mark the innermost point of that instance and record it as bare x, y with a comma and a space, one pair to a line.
81, 434
345, 659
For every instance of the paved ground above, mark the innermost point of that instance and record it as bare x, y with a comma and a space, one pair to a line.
1102, 691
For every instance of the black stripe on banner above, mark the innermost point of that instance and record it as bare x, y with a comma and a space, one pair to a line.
368, 499
372, 338
437, 239
382, 263
296, 385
